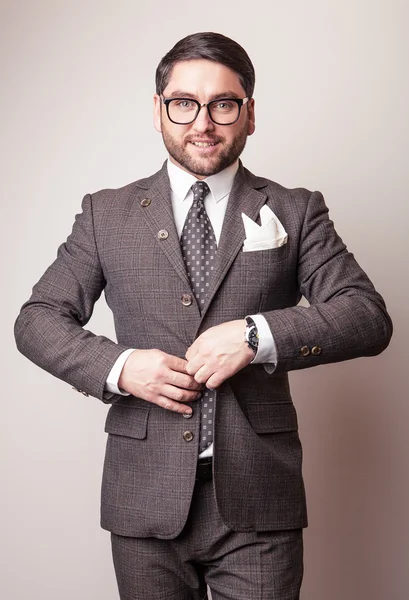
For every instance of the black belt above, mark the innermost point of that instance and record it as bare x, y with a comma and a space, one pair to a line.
204, 469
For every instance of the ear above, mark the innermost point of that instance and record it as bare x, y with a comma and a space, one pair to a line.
252, 117
157, 109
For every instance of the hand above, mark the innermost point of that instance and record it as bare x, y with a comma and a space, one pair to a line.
159, 378
219, 353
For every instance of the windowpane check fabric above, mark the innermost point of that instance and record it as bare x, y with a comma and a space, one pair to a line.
199, 248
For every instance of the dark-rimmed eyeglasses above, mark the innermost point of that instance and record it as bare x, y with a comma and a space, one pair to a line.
224, 111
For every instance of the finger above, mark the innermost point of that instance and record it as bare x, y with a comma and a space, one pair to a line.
203, 374
194, 364
176, 364
168, 404
191, 351
181, 380
178, 394
215, 381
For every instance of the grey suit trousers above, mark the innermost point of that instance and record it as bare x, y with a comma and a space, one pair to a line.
235, 565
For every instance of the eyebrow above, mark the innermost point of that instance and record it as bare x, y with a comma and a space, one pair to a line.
183, 94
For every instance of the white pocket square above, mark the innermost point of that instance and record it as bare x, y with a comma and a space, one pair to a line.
270, 234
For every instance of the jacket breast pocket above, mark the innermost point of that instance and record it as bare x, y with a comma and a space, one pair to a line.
272, 417
265, 257
128, 420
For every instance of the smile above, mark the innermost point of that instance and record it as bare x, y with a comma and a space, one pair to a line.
203, 144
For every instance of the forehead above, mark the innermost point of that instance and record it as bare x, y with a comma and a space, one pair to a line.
203, 78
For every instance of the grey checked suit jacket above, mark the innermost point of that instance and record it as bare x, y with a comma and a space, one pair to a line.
115, 246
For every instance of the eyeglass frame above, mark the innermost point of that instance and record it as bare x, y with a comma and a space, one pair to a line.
239, 101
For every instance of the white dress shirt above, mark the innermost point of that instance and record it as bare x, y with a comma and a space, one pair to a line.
215, 203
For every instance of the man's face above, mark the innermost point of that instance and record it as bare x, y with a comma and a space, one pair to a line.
203, 80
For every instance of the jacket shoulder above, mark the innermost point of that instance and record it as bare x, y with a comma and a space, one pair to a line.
285, 196
129, 191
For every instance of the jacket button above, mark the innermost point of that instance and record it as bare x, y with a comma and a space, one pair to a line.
145, 202
163, 234
188, 415
188, 436
316, 350
305, 351
187, 299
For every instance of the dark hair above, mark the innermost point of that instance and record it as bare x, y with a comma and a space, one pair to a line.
210, 46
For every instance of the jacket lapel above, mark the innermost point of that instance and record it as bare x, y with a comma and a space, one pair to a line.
158, 214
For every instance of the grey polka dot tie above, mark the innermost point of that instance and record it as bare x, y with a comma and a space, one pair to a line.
199, 249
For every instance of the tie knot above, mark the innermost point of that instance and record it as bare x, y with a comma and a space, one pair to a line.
200, 189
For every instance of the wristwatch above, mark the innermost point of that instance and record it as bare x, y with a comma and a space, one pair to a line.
251, 335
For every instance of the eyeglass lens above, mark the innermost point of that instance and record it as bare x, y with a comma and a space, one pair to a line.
185, 111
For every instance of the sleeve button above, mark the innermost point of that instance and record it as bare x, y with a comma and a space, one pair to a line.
81, 391
305, 351
316, 350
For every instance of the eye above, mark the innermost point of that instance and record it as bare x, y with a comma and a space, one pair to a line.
184, 103
224, 105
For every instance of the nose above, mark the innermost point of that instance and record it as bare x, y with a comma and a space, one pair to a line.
203, 121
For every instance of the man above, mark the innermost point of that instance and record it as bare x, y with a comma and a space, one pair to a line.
203, 265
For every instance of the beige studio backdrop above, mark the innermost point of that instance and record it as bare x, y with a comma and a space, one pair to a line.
332, 99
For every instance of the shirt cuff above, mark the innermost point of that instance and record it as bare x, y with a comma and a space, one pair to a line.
111, 384
267, 351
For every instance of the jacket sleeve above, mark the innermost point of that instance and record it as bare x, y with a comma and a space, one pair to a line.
50, 327
347, 318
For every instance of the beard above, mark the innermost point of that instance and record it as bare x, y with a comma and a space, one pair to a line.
206, 165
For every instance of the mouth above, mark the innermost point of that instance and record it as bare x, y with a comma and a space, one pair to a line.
204, 144
204, 147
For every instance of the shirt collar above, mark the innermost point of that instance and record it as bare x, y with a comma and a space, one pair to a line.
220, 184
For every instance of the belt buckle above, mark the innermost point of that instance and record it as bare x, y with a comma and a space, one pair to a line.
204, 470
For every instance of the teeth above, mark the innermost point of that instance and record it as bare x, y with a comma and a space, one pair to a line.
203, 144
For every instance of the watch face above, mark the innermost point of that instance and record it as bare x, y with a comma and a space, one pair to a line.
252, 337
